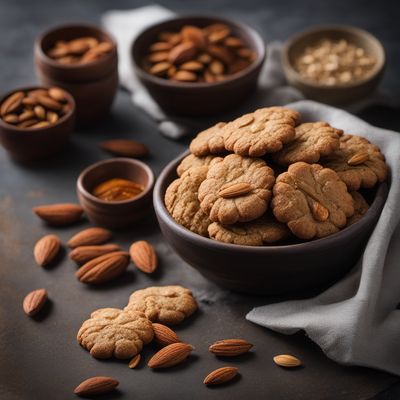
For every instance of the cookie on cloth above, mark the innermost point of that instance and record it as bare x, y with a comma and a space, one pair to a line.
209, 141
237, 189
193, 161
311, 200
360, 208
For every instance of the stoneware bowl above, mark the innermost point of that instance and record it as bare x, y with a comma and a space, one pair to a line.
32, 144
268, 270
115, 214
196, 99
338, 94
93, 84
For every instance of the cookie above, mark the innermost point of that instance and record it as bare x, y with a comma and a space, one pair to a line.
264, 230
167, 305
113, 332
182, 202
311, 200
360, 208
359, 163
264, 131
237, 189
312, 140
209, 141
193, 161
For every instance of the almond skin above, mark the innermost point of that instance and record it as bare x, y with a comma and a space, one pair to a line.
125, 148
135, 361
34, 302
96, 385
230, 347
90, 236
235, 190
220, 376
170, 355
144, 256
83, 254
287, 361
358, 158
164, 336
182, 52
46, 249
59, 214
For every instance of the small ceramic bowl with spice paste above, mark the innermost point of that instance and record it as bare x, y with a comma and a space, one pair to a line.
116, 192
35, 122
334, 64
81, 59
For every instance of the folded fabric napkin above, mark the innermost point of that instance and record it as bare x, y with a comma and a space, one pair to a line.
273, 88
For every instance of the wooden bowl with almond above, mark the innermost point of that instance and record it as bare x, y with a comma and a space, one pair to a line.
198, 65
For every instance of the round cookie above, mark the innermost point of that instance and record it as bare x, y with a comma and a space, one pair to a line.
312, 140
167, 305
237, 189
311, 200
360, 208
193, 161
264, 131
209, 141
182, 202
113, 332
359, 163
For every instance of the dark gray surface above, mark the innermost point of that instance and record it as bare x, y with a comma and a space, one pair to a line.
40, 358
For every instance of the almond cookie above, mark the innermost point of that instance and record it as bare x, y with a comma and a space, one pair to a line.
237, 189
193, 161
264, 131
312, 140
167, 305
114, 332
255, 233
359, 163
311, 200
210, 141
360, 208
182, 202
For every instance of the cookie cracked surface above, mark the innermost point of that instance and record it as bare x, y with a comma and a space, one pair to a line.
209, 141
235, 172
168, 305
311, 200
114, 332
191, 161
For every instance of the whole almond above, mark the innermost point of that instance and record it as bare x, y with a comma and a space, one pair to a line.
235, 190
160, 68
90, 236
40, 112
104, 268
48, 102
83, 254
11, 119
46, 249
221, 53
34, 301
358, 158
144, 256
29, 114
220, 376
164, 335
182, 52
125, 148
160, 46
96, 385
192, 66
58, 94
134, 362
185, 76
170, 355
195, 35
286, 360
319, 212
11, 103
59, 214
230, 347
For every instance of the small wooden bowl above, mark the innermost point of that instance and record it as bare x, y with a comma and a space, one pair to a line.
115, 214
31, 144
339, 94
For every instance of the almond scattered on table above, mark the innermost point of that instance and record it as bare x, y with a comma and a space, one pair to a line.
135, 361
230, 347
96, 386
287, 361
59, 214
220, 376
144, 256
170, 355
34, 301
90, 236
164, 336
83, 254
125, 148
46, 249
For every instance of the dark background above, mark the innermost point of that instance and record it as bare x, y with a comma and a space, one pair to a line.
40, 358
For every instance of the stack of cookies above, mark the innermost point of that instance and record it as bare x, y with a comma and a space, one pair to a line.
266, 177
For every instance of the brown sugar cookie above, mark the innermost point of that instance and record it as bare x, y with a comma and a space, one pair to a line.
114, 332
167, 305
360, 208
193, 161
359, 163
182, 202
312, 140
209, 141
311, 200
264, 230
237, 189
264, 131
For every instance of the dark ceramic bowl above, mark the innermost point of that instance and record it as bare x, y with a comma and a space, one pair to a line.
196, 99
115, 214
267, 270
31, 144
342, 93
92, 84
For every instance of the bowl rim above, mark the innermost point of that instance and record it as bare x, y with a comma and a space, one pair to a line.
123, 160
293, 40
256, 37
64, 118
312, 245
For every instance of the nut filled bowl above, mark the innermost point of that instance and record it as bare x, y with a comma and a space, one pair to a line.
198, 65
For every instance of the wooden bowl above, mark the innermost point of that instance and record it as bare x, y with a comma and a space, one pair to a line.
339, 94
